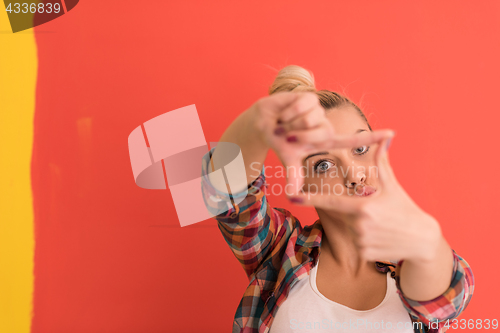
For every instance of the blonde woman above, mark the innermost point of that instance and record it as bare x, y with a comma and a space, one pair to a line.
373, 261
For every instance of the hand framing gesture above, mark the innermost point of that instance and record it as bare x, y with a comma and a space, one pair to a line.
387, 224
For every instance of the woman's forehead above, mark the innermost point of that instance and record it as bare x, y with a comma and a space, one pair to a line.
346, 120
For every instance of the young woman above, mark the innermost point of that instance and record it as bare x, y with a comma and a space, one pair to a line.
385, 264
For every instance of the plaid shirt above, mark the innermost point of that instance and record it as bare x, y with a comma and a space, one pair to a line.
276, 252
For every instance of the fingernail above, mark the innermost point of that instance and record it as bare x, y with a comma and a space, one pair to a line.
278, 131
292, 138
296, 200
388, 144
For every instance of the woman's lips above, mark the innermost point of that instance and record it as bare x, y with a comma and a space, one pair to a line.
365, 191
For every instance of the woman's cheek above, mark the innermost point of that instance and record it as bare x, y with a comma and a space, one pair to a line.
323, 183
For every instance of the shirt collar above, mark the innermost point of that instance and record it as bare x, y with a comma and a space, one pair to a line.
311, 235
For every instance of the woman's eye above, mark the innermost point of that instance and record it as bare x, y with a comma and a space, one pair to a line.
323, 166
361, 150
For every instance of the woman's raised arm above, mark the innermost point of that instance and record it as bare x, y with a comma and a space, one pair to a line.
248, 223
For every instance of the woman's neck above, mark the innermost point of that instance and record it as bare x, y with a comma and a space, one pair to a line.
338, 243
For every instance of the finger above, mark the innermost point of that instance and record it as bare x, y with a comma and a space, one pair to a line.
385, 173
319, 136
310, 119
278, 101
380, 254
324, 138
356, 140
294, 174
305, 102
330, 201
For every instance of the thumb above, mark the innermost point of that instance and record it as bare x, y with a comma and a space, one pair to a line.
294, 175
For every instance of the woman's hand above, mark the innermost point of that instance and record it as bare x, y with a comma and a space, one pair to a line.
294, 125
387, 223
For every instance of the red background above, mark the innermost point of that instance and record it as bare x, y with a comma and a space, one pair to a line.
111, 257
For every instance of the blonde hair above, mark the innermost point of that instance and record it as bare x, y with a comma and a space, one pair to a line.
298, 79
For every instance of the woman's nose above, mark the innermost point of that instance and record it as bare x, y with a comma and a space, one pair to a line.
356, 179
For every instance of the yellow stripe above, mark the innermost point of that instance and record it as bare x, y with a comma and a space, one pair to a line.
18, 70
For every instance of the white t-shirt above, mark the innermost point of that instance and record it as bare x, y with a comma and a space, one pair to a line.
307, 310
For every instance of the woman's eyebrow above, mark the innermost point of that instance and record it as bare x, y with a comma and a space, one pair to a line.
320, 153
326, 153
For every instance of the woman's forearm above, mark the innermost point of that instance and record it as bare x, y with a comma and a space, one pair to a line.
244, 133
426, 279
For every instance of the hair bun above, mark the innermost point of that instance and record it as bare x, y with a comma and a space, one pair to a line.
293, 78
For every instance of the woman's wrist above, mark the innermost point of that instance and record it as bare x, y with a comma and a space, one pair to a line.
426, 279
430, 241
256, 126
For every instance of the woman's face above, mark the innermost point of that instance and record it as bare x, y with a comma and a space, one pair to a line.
346, 171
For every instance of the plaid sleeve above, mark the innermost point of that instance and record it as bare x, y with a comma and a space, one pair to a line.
450, 304
251, 228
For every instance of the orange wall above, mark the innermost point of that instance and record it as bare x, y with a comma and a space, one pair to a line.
111, 257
